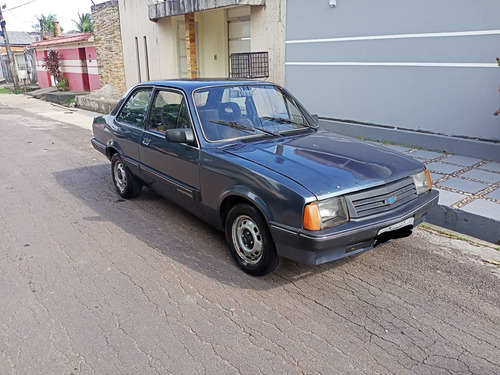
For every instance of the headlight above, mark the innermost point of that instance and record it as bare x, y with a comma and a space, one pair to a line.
325, 214
422, 182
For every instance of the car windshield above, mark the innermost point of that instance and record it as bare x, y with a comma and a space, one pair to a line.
229, 112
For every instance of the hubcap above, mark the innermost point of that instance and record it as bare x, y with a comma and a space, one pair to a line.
120, 177
247, 239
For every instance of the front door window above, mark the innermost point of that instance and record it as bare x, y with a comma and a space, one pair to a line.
168, 112
135, 109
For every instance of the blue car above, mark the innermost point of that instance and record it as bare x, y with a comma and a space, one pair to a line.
247, 157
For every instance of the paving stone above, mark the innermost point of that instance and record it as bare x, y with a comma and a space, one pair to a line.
436, 176
463, 185
461, 160
424, 154
448, 198
443, 168
398, 148
477, 174
491, 166
483, 208
495, 194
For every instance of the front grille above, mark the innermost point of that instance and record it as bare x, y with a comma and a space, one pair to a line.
377, 200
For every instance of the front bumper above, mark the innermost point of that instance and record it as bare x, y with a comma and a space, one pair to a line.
356, 236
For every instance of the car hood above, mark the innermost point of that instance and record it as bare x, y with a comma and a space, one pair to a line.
328, 164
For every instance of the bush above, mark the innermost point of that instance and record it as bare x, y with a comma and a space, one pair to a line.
63, 84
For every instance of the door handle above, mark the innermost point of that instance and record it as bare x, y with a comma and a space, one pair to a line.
146, 141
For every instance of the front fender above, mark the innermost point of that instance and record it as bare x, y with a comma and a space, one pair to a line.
226, 178
238, 193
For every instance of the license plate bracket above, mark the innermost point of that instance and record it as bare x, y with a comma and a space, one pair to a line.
396, 226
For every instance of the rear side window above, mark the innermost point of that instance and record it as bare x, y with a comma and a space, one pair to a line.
136, 108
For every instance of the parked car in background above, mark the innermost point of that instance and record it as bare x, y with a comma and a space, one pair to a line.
246, 157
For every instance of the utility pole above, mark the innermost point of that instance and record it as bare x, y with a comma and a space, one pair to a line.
10, 56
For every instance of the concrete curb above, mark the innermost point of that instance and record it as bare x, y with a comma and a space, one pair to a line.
481, 227
61, 97
103, 106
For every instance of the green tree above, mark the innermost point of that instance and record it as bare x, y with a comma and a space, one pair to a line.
84, 23
47, 21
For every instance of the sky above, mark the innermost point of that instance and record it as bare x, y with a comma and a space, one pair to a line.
20, 15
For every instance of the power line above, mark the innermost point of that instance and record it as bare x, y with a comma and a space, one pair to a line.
19, 6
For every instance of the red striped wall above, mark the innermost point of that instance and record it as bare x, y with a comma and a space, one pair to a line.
78, 64
43, 75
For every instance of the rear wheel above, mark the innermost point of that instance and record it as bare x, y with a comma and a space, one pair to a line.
125, 183
249, 240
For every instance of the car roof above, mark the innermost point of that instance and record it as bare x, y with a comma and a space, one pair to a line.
193, 84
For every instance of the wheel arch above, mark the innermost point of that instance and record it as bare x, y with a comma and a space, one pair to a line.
111, 149
241, 196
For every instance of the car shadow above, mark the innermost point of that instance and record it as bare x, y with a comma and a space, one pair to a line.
177, 234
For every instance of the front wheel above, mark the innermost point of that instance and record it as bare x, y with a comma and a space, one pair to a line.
249, 240
125, 183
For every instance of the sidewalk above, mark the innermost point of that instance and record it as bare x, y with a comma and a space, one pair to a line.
469, 192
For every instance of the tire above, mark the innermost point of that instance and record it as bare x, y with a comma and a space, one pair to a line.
249, 241
125, 183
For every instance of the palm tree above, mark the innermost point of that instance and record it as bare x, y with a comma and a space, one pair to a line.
84, 23
47, 22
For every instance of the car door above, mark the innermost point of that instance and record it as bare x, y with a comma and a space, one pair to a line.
128, 126
172, 169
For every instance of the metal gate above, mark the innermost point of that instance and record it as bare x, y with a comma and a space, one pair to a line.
26, 67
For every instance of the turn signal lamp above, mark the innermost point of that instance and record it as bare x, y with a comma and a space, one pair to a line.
325, 214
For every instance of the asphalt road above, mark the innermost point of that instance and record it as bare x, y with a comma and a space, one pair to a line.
92, 284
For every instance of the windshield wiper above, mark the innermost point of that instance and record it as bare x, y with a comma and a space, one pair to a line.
233, 124
282, 120
238, 126
268, 132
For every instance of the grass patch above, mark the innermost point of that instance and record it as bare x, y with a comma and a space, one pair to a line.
4, 90
445, 233
457, 236
390, 143
68, 102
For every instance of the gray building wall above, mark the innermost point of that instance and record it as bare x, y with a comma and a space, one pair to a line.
422, 65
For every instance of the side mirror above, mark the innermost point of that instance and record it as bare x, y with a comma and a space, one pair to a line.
184, 135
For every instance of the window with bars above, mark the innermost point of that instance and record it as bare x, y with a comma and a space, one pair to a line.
249, 65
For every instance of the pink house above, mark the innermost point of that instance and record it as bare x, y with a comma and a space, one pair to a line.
78, 61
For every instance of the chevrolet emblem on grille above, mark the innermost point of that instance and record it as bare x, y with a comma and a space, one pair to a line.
390, 200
